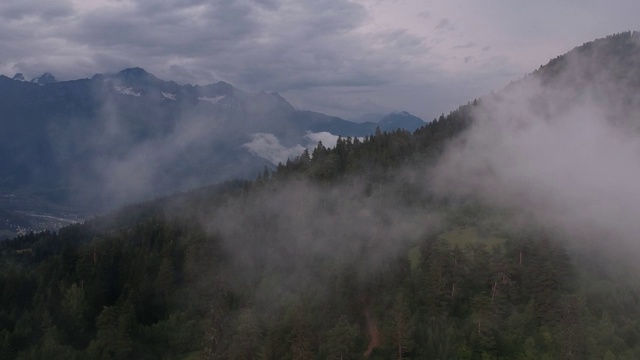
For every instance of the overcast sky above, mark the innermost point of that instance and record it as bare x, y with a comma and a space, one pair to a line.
341, 57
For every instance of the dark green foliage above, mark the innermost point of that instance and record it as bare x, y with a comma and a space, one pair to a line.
341, 341
245, 342
159, 286
376, 154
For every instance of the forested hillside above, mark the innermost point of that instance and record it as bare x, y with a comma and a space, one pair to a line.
155, 281
342, 253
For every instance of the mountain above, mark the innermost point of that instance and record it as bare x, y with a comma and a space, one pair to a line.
86, 145
400, 120
44, 79
357, 252
392, 121
19, 77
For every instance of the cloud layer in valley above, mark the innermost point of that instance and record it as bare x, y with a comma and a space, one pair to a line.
268, 147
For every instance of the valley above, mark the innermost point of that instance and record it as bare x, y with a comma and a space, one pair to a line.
91, 145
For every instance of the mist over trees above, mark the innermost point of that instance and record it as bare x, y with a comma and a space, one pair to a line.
436, 244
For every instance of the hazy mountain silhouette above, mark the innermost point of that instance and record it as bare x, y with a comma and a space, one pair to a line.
91, 144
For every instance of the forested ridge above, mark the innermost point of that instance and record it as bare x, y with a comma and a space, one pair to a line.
220, 273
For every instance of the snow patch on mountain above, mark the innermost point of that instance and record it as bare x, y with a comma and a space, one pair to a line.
127, 91
169, 96
213, 100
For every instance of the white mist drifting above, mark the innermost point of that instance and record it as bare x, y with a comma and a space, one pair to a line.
299, 228
269, 147
565, 153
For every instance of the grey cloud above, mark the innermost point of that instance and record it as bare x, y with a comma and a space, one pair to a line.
425, 14
16, 10
402, 40
245, 46
252, 44
268, 4
178, 31
110, 63
346, 102
183, 73
204, 75
465, 46
324, 78
168, 6
426, 99
445, 24
338, 15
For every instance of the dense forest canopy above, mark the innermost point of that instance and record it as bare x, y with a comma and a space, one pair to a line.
387, 246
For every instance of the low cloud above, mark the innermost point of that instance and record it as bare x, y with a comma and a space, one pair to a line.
564, 153
268, 146
328, 139
445, 25
289, 229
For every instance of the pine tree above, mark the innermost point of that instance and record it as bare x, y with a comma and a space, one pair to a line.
246, 340
341, 340
301, 336
402, 327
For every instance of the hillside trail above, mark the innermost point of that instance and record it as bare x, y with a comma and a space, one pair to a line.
372, 331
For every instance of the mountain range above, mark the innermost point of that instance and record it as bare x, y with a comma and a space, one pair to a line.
82, 146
